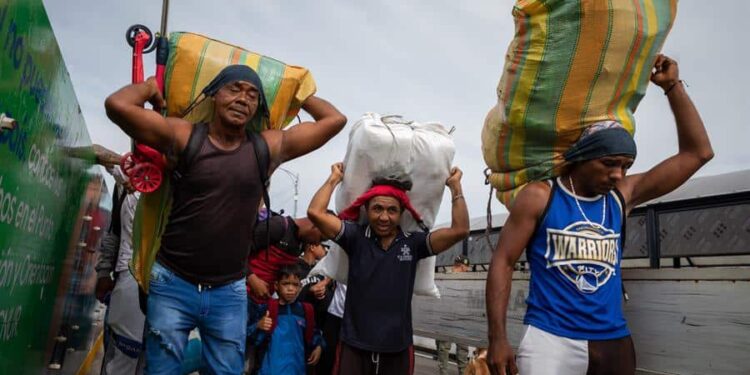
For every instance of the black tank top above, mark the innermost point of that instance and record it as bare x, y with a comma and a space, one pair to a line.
208, 236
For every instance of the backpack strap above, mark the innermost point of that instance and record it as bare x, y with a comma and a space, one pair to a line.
197, 136
309, 323
273, 313
263, 156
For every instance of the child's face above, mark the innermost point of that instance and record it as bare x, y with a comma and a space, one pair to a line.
317, 250
288, 288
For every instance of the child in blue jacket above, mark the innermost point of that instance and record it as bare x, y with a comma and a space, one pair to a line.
286, 332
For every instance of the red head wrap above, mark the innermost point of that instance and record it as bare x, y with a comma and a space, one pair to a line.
352, 212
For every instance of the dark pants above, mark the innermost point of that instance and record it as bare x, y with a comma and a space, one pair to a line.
331, 328
353, 361
611, 357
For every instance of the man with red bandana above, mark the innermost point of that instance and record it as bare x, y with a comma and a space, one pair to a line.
376, 332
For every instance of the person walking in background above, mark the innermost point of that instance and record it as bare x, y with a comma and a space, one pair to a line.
116, 286
460, 264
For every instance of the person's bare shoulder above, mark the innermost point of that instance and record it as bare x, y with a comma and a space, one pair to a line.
273, 137
532, 199
182, 129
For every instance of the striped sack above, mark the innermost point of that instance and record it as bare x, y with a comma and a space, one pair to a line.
194, 60
571, 63
149, 223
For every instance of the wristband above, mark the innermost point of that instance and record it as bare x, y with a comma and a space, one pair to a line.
671, 87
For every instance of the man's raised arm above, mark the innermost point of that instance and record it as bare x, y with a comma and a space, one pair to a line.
126, 109
694, 146
309, 136
443, 239
329, 224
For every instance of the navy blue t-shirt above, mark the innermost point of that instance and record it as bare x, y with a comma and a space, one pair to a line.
377, 315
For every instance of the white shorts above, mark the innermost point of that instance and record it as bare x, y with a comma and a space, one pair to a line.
542, 353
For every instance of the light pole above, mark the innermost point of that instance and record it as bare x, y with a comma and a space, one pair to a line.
295, 177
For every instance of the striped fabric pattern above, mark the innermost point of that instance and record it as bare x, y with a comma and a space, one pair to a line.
571, 63
194, 60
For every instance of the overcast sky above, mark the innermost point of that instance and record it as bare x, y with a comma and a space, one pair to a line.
424, 59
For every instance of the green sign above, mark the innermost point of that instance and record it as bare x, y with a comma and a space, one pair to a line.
42, 182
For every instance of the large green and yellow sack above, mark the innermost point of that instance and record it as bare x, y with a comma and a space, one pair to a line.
149, 222
194, 61
571, 63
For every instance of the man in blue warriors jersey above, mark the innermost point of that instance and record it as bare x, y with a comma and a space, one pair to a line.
572, 230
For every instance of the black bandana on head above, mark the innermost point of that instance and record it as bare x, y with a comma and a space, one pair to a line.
602, 139
234, 73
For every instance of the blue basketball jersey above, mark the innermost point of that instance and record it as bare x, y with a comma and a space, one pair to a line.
575, 290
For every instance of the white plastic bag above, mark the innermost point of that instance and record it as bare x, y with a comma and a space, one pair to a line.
388, 145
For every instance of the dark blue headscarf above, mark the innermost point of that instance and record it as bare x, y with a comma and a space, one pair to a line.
234, 73
602, 139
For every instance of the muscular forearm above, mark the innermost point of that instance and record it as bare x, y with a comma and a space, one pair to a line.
691, 133
320, 109
136, 94
306, 137
442, 239
497, 293
328, 120
106, 157
126, 109
319, 203
459, 213
121, 105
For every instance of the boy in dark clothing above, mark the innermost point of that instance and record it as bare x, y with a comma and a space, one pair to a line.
286, 332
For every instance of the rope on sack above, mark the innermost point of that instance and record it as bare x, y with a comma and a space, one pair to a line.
197, 101
394, 145
488, 228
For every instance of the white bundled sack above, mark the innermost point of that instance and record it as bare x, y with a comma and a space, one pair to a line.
382, 146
